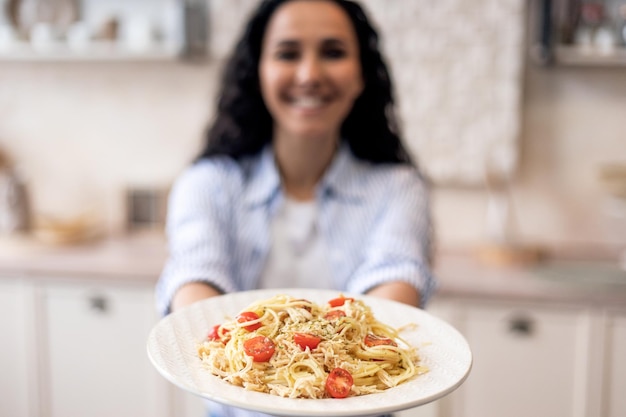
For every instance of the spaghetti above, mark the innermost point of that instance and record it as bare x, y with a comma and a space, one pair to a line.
298, 349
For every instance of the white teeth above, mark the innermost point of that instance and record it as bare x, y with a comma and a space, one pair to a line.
308, 102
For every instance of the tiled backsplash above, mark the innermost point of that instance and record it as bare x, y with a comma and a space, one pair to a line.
458, 67
85, 132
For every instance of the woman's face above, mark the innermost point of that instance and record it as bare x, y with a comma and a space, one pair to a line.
309, 70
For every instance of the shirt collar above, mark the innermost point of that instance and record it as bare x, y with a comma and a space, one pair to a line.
340, 180
264, 181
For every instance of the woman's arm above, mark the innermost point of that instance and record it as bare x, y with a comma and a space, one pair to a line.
397, 243
198, 233
397, 291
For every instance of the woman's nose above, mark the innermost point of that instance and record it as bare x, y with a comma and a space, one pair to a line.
309, 71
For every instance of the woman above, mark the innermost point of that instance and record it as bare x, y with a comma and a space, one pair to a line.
304, 181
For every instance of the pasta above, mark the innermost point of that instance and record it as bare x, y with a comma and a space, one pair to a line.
298, 349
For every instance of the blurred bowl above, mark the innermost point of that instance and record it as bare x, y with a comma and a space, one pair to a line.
74, 230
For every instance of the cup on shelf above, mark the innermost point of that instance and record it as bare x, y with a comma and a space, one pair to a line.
78, 36
42, 36
137, 33
8, 37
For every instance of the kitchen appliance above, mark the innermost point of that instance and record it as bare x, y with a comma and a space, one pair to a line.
145, 208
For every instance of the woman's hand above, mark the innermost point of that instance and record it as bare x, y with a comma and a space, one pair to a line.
192, 292
397, 291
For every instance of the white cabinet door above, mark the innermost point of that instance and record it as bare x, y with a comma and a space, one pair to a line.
616, 366
14, 351
426, 410
446, 311
188, 405
528, 361
97, 364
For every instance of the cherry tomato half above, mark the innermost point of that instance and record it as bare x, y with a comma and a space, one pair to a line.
339, 383
374, 340
306, 340
247, 316
261, 348
334, 315
336, 302
214, 334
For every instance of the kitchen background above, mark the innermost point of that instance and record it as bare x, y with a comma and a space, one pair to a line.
83, 132
519, 121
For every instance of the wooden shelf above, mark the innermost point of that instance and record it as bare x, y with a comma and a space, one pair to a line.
579, 56
94, 52
553, 26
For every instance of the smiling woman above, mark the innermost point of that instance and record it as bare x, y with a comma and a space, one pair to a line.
304, 180
310, 76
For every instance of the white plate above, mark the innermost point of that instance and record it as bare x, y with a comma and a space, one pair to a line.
172, 348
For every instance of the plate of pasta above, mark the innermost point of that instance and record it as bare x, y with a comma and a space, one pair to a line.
309, 352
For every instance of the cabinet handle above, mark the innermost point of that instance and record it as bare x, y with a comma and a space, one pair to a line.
522, 326
99, 303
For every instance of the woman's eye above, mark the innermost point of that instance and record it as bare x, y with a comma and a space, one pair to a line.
334, 53
287, 55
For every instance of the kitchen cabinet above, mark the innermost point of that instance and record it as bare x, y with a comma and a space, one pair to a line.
616, 365
426, 410
575, 33
186, 404
539, 359
14, 353
528, 360
76, 348
75, 321
94, 30
95, 354
535, 359
440, 408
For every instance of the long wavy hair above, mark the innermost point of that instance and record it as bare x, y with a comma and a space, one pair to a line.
243, 125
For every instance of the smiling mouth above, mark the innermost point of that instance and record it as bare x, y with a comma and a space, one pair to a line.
308, 103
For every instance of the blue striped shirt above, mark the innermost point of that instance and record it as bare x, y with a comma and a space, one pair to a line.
373, 218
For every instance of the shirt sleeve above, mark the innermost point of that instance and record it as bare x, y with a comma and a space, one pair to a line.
398, 248
198, 242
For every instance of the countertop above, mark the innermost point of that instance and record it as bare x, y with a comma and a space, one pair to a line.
137, 258
579, 282
140, 259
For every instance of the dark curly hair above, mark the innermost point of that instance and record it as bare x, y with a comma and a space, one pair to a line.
243, 125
